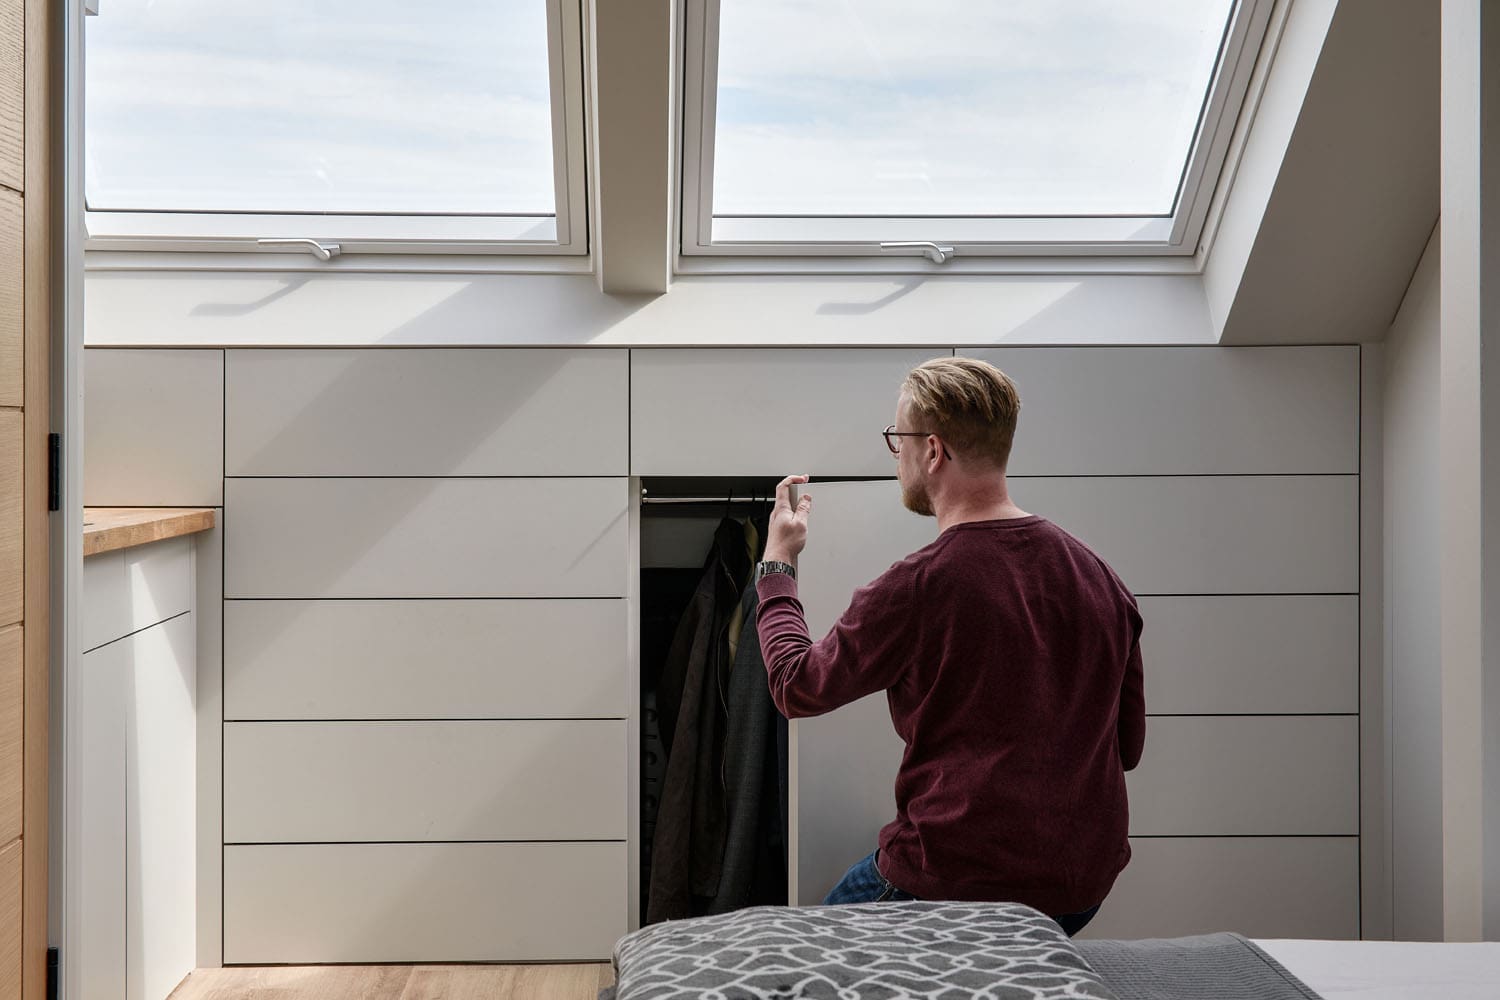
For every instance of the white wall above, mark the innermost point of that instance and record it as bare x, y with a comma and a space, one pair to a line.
1412, 606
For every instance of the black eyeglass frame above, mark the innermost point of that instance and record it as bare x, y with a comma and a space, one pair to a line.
895, 449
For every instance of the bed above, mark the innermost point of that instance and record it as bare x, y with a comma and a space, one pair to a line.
1392, 970
1004, 951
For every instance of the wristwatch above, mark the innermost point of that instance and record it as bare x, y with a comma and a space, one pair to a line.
768, 566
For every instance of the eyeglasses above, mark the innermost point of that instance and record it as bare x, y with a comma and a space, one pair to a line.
893, 440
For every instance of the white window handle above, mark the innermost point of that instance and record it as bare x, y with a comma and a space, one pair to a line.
320, 250
932, 251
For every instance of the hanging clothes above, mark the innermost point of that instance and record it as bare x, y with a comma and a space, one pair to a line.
753, 872
692, 818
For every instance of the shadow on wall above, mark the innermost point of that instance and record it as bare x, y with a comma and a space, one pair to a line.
561, 310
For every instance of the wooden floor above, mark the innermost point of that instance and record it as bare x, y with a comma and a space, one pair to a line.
398, 982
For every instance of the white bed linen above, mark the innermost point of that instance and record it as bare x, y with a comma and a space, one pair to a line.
1392, 970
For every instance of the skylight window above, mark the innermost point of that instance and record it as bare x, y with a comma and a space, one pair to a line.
378, 124
1060, 126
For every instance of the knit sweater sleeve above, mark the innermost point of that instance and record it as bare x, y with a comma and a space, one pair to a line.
866, 651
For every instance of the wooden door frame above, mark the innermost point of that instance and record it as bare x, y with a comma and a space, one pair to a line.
40, 37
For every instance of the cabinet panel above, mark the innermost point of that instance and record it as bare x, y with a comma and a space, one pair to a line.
1251, 655
765, 412
1212, 535
103, 695
153, 431
365, 412
1180, 411
311, 538
304, 782
1255, 775
132, 589
1261, 887
160, 849
423, 902
425, 659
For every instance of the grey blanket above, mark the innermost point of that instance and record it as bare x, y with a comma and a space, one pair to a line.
1217, 966
951, 951
864, 951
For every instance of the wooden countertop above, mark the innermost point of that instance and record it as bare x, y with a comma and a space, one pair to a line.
108, 528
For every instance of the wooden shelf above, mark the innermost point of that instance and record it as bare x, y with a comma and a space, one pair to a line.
108, 528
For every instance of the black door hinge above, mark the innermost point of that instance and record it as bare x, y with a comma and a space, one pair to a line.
51, 974
54, 472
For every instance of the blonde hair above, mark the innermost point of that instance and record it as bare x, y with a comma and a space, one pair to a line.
972, 405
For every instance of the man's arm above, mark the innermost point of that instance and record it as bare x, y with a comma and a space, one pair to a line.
865, 652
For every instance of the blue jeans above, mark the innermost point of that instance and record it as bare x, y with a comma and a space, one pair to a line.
863, 883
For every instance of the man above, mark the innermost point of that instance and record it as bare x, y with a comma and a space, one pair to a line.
1010, 656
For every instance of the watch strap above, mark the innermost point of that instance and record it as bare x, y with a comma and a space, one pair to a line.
768, 566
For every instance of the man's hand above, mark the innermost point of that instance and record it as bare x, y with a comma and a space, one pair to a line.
787, 533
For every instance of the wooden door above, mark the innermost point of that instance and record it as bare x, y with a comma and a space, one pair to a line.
843, 765
24, 345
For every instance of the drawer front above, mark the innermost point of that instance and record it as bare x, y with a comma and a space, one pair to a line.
308, 782
312, 538
425, 659
373, 903
1262, 887
1257, 775
1251, 655
765, 412
1183, 411
365, 412
154, 428
1212, 535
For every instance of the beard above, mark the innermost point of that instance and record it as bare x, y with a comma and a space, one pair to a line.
915, 498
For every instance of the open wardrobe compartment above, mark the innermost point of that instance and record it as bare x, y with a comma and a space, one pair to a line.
713, 821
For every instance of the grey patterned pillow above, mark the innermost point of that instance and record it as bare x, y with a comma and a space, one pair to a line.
870, 951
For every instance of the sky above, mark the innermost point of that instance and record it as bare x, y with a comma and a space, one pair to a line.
319, 106
830, 107
963, 107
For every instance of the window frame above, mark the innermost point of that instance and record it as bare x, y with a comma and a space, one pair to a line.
992, 243
479, 236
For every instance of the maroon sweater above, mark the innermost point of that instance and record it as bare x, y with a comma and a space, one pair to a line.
1010, 656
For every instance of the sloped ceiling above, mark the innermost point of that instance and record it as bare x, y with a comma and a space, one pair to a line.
1356, 194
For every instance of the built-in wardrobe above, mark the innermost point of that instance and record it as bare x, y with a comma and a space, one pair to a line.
427, 694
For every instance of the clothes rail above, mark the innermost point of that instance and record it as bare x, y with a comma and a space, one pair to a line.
707, 500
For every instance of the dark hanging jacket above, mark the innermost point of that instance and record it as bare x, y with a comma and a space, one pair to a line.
687, 850
754, 866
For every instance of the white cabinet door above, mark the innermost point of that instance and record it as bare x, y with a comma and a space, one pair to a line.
103, 686
359, 903
392, 538
843, 765
1262, 887
160, 808
429, 412
154, 428
1183, 411
728, 412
